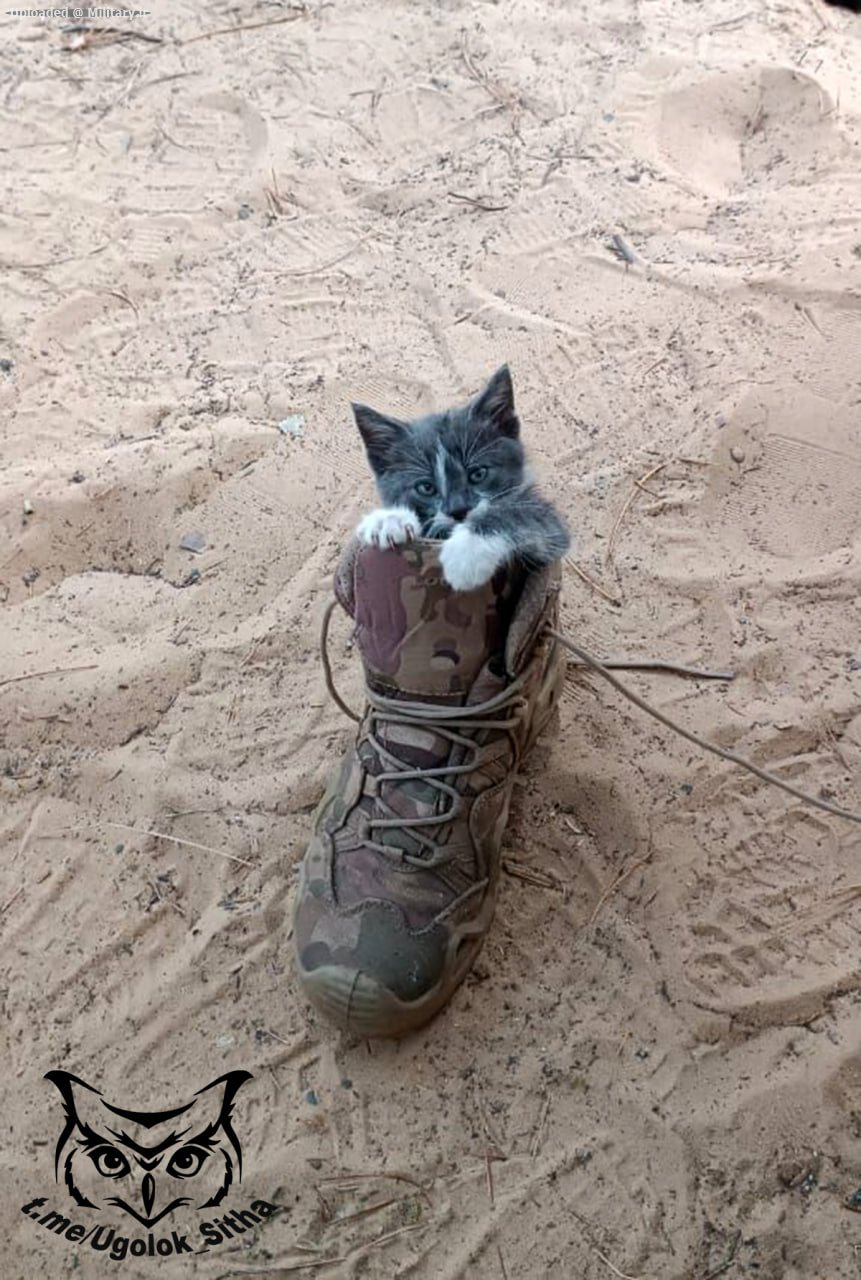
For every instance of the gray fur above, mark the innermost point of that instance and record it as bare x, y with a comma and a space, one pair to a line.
445, 451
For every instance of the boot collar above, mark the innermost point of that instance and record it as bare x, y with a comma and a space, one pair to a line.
419, 639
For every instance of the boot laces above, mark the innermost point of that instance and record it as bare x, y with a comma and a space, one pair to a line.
452, 724
501, 713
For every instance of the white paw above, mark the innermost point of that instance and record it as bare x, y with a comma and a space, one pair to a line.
468, 559
388, 527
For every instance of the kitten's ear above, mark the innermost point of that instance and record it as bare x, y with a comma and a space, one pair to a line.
495, 404
379, 434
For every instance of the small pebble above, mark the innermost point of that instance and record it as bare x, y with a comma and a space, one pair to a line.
736, 454
78, 477
293, 426
28, 507
6, 366
193, 542
244, 212
311, 1098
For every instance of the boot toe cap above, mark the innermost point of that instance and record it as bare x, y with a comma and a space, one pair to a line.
366, 971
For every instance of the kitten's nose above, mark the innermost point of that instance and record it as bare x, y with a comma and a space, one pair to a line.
460, 514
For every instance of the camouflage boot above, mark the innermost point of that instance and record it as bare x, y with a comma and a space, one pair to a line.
398, 887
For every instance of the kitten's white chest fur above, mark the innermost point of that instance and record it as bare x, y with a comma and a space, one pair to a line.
468, 559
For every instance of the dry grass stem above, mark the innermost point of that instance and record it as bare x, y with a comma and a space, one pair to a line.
477, 203
596, 586
191, 844
540, 1126
656, 664
616, 884
530, 875
293, 16
7, 904
339, 1219
52, 671
488, 1166
349, 1181
627, 504
331, 262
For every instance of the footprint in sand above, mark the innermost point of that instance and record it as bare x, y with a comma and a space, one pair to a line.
794, 493
768, 126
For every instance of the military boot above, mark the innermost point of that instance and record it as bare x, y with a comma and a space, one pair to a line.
397, 890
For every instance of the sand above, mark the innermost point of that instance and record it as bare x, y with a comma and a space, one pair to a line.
654, 1069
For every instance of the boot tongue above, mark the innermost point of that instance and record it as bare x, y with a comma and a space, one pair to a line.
419, 639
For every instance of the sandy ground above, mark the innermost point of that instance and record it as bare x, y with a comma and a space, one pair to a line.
654, 1071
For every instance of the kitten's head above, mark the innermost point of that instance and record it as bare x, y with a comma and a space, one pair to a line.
443, 466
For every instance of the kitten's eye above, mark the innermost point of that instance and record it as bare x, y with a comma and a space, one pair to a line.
187, 1162
425, 488
477, 475
109, 1162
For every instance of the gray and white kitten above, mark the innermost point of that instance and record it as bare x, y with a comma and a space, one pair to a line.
461, 476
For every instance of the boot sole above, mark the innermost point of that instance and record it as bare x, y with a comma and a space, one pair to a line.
359, 1004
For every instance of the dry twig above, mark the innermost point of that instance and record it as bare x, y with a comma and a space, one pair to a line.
530, 875
731, 22
92, 37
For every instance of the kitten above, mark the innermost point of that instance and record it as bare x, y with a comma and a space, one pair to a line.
460, 476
